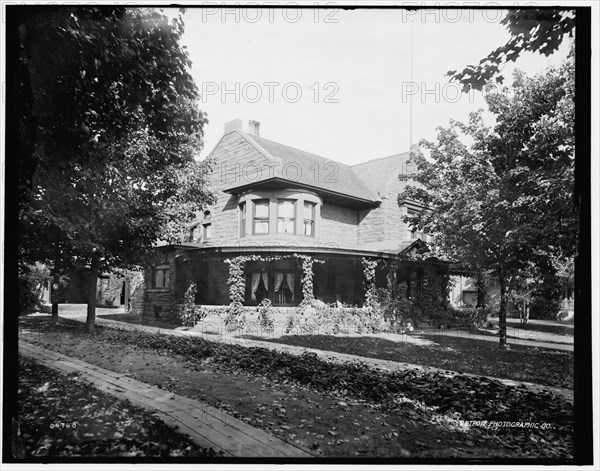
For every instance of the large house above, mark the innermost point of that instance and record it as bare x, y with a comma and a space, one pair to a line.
277, 205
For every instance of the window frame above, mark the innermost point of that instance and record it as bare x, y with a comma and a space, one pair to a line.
286, 219
305, 219
242, 208
166, 277
262, 219
206, 230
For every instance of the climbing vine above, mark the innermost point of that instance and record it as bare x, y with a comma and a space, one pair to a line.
237, 280
308, 293
369, 267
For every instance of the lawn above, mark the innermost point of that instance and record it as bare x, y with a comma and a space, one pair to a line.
60, 415
462, 354
335, 410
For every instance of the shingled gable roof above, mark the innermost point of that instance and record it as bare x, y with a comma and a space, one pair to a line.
332, 177
375, 173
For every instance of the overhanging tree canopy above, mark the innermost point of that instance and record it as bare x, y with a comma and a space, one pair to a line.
505, 202
109, 135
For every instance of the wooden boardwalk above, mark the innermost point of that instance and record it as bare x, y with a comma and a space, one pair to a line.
206, 425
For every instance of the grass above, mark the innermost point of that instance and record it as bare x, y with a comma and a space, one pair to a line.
131, 318
466, 355
60, 415
463, 354
567, 329
330, 421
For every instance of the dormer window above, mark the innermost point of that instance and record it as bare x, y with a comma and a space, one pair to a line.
286, 216
261, 217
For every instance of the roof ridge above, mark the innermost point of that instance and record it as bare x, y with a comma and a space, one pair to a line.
381, 158
249, 138
304, 151
375, 197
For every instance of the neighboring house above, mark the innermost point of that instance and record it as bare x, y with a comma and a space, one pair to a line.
276, 201
464, 293
111, 290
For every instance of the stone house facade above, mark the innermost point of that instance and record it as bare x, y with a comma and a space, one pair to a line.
279, 204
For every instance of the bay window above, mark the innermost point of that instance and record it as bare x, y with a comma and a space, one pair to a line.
309, 218
261, 217
286, 216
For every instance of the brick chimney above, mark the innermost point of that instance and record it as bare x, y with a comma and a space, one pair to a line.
254, 127
235, 125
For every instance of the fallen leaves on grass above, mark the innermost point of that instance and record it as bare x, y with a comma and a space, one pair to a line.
66, 416
426, 395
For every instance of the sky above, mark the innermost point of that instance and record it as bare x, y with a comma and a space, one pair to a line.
337, 83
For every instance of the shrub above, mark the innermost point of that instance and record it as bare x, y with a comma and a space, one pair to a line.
265, 319
31, 280
471, 317
334, 320
236, 318
396, 310
188, 314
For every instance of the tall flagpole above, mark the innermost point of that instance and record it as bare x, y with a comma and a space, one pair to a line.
410, 104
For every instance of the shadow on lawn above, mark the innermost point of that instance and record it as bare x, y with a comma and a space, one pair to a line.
136, 319
547, 328
465, 355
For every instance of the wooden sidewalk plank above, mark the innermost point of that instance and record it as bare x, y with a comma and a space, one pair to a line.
148, 395
207, 425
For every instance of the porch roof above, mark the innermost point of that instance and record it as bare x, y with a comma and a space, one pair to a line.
367, 250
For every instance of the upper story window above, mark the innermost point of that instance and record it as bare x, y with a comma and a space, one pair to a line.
286, 216
309, 218
161, 276
206, 226
412, 232
242, 219
261, 217
195, 234
206, 230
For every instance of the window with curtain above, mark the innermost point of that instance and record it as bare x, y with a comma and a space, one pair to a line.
258, 278
286, 218
309, 219
261, 217
284, 287
242, 219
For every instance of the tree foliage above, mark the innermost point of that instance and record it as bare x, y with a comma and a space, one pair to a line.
109, 136
531, 30
505, 202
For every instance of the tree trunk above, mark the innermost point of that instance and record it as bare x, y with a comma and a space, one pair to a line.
54, 297
90, 323
54, 291
503, 308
